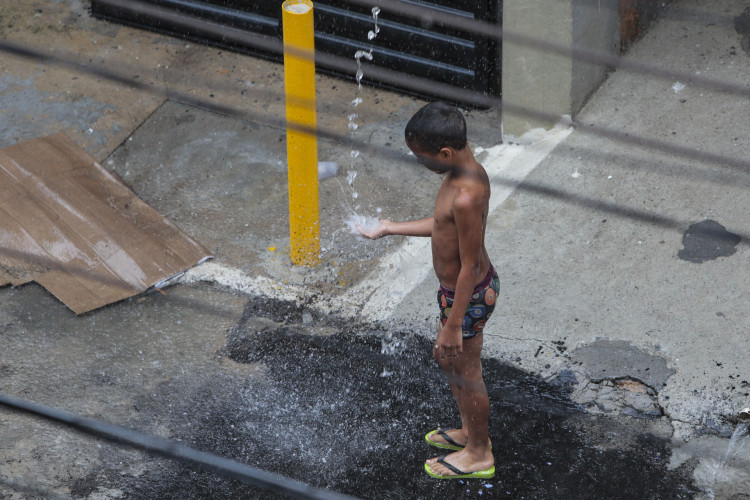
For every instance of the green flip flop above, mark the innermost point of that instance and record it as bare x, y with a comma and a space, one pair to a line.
458, 473
444, 434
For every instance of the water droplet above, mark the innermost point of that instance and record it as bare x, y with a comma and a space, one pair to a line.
358, 56
375, 13
350, 176
356, 102
359, 78
362, 53
371, 35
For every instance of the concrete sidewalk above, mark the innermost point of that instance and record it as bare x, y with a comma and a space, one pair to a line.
586, 233
580, 268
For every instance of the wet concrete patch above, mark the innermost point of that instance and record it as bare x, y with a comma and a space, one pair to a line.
742, 25
348, 411
225, 179
19, 100
616, 359
707, 240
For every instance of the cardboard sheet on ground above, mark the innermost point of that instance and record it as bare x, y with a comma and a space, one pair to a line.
79, 231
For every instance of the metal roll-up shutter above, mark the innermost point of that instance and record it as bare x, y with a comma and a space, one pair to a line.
403, 44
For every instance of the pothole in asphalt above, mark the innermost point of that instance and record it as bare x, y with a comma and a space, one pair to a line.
349, 410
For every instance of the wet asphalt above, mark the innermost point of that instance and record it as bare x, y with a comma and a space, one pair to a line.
347, 410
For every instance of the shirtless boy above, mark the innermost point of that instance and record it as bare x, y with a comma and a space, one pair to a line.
436, 134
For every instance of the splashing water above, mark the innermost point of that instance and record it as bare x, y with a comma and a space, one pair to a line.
356, 102
392, 346
365, 222
736, 443
298, 8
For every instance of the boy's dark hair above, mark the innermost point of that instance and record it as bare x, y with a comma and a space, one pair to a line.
437, 125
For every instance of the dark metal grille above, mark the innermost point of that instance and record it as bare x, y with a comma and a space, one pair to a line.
404, 44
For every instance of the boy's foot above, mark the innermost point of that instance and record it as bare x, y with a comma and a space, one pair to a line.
448, 439
440, 468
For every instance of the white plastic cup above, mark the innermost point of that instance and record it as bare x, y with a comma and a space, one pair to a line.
327, 169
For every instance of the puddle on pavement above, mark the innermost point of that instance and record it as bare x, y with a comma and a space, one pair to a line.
348, 411
742, 25
707, 240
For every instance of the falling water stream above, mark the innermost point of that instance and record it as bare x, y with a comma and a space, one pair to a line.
354, 218
373, 33
737, 442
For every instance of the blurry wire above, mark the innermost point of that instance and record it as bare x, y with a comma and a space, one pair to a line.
670, 10
628, 159
222, 466
616, 209
399, 79
426, 16
121, 78
487, 29
445, 91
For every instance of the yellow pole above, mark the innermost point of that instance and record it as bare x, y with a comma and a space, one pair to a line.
301, 146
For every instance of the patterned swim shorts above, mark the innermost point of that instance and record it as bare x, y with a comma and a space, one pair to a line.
480, 308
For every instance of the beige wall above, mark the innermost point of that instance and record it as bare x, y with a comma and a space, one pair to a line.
538, 81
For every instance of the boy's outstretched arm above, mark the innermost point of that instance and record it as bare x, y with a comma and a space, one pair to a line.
421, 227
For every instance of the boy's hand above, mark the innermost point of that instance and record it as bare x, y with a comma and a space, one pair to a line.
449, 341
376, 232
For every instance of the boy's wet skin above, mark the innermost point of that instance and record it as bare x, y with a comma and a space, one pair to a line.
437, 136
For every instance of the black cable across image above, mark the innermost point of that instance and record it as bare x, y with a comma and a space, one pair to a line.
224, 467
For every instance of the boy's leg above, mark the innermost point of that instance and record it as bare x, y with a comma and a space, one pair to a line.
459, 435
465, 373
